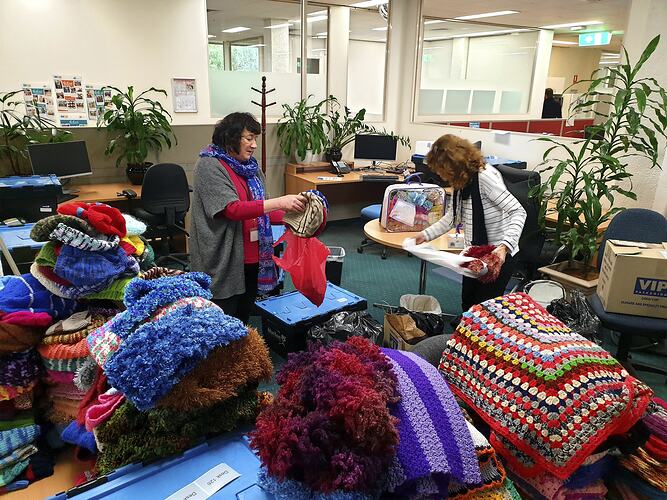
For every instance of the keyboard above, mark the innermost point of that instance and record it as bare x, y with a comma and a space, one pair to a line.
379, 178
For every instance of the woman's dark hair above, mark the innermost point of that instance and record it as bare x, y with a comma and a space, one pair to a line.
227, 132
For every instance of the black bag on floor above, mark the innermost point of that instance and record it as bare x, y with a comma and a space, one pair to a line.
346, 324
429, 323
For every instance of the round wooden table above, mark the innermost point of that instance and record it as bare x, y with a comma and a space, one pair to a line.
374, 231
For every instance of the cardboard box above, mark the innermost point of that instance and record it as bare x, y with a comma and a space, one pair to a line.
393, 338
633, 280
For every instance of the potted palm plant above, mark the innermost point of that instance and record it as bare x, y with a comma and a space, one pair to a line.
138, 125
342, 126
18, 130
301, 129
586, 177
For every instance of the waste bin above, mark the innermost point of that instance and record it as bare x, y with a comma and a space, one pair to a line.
334, 267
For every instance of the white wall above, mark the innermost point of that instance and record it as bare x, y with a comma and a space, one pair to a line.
567, 62
365, 76
118, 42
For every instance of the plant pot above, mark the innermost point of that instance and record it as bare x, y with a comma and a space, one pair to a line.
135, 172
578, 277
333, 154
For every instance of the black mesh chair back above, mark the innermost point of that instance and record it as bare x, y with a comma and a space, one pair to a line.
165, 192
635, 224
519, 182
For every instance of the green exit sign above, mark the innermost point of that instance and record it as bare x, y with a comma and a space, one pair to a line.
592, 39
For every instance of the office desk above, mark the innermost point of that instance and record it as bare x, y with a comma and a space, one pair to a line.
374, 231
346, 197
104, 192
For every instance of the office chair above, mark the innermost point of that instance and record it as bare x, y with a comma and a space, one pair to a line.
646, 226
165, 199
368, 214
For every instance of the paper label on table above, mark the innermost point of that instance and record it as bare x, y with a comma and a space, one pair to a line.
190, 492
341, 300
404, 213
207, 484
216, 478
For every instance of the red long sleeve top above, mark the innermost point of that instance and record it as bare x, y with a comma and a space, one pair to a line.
247, 211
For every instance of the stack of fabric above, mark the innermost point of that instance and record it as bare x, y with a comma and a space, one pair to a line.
88, 253
353, 421
68, 364
550, 397
26, 310
642, 471
173, 370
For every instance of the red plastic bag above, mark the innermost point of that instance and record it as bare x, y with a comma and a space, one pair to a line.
305, 259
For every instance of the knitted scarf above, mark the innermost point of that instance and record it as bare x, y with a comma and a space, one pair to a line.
267, 277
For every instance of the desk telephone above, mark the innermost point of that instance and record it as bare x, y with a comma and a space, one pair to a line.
340, 167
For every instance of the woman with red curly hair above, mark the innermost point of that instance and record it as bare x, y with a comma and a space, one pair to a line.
489, 213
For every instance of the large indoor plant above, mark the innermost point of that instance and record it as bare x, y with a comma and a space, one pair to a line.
588, 179
343, 125
18, 130
301, 129
138, 125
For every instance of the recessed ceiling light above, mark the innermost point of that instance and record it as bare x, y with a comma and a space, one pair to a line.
569, 25
487, 14
258, 45
281, 25
561, 42
435, 21
576, 28
611, 55
211, 36
318, 13
309, 19
369, 3
383, 28
318, 50
476, 34
235, 29
321, 33
610, 62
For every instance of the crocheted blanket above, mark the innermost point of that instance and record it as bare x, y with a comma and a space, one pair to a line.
547, 391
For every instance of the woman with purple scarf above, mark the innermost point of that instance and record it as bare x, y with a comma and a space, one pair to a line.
230, 231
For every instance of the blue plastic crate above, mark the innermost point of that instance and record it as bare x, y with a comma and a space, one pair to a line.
162, 479
287, 318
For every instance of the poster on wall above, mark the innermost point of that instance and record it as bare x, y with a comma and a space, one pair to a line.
70, 101
184, 91
98, 100
39, 99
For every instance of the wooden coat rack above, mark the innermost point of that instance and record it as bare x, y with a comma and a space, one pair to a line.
263, 105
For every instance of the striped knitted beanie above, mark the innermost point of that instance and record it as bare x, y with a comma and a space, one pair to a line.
435, 443
43, 228
309, 222
546, 391
78, 239
168, 327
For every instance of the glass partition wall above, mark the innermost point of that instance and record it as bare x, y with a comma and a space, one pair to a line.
469, 68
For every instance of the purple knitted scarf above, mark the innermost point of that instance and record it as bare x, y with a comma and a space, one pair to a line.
435, 443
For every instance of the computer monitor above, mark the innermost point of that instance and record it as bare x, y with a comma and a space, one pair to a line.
63, 159
375, 147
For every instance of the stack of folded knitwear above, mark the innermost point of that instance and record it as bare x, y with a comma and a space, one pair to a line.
351, 420
26, 310
88, 252
641, 471
171, 370
552, 399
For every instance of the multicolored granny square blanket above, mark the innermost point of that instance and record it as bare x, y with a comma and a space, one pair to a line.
550, 396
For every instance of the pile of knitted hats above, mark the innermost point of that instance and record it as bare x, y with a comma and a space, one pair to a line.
352, 420
26, 310
89, 252
642, 468
173, 369
551, 398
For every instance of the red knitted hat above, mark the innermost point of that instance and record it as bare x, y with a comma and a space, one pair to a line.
105, 219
